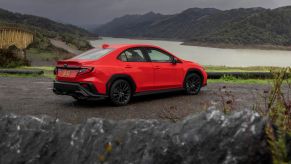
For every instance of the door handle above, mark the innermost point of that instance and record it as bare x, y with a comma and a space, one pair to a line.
157, 67
128, 66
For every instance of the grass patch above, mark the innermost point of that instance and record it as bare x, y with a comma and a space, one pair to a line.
50, 55
20, 75
51, 76
240, 81
44, 68
44, 55
232, 79
239, 69
48, 72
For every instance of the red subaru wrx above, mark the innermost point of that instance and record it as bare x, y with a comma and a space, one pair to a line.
119, 72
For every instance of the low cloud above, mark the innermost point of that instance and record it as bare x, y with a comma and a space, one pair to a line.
89, 12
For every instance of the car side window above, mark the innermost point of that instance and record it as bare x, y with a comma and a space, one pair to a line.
122, 57
159, 56
132, 55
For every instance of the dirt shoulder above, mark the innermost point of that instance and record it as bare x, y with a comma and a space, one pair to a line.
63, 45
34, 96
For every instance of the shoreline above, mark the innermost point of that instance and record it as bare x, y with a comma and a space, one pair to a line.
144, 38
234, 46
210, 45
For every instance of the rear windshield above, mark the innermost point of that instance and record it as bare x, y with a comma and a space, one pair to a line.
93, 54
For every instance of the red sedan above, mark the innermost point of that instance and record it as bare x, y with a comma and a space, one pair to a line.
119, 72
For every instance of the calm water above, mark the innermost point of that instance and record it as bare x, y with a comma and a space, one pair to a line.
213, 56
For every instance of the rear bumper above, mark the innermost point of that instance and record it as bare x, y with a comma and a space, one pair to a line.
84, 90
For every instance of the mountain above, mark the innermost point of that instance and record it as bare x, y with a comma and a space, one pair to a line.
129, 25
45, 28
266, 27
244, 26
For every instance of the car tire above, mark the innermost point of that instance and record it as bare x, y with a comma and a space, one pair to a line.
192, 84
120, 92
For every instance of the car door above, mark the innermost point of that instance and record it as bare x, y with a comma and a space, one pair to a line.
137, 65
167, 74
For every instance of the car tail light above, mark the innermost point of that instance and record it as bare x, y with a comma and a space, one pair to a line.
85, 70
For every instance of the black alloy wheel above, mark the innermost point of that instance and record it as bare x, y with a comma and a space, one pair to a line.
193, 84
120, 92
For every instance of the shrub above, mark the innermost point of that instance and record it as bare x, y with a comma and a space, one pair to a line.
278, 110
8, 59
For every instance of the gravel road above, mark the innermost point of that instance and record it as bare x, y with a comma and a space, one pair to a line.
63, 45
34, 96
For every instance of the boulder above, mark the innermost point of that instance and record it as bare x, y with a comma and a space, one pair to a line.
210, 137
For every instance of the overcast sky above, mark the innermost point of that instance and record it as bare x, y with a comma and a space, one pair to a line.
89, 12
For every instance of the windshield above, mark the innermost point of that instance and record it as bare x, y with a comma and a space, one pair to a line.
93, 54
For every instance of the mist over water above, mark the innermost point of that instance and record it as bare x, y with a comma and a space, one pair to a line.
213, 56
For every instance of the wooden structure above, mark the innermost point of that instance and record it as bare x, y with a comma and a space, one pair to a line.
10, 36
14, 36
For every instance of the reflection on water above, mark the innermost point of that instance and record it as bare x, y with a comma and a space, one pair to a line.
213, 56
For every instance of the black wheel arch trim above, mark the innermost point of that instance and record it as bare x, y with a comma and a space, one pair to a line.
194, 70
120, 76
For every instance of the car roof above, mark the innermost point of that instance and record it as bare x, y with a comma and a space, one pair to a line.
117, 46
126, 46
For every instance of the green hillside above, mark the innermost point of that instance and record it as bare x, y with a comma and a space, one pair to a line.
44, 29
250, 26
267, 27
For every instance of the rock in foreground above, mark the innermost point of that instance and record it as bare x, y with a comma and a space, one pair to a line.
210, 137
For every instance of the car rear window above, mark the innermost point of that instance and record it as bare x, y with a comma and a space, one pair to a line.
93, 54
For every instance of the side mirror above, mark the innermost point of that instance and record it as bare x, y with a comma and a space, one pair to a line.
175, 61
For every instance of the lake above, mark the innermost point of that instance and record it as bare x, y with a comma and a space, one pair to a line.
213, 56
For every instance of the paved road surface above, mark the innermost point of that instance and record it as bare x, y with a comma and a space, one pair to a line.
34, 96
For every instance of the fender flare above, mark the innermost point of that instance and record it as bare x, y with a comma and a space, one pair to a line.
120, 76
193, 70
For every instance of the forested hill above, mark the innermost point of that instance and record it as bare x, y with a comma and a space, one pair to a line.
45, 28
244, 26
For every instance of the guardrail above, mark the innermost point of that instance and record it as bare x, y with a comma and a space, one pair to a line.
21, 71
243, 75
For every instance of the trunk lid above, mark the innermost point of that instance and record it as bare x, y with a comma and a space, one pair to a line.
67, 70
